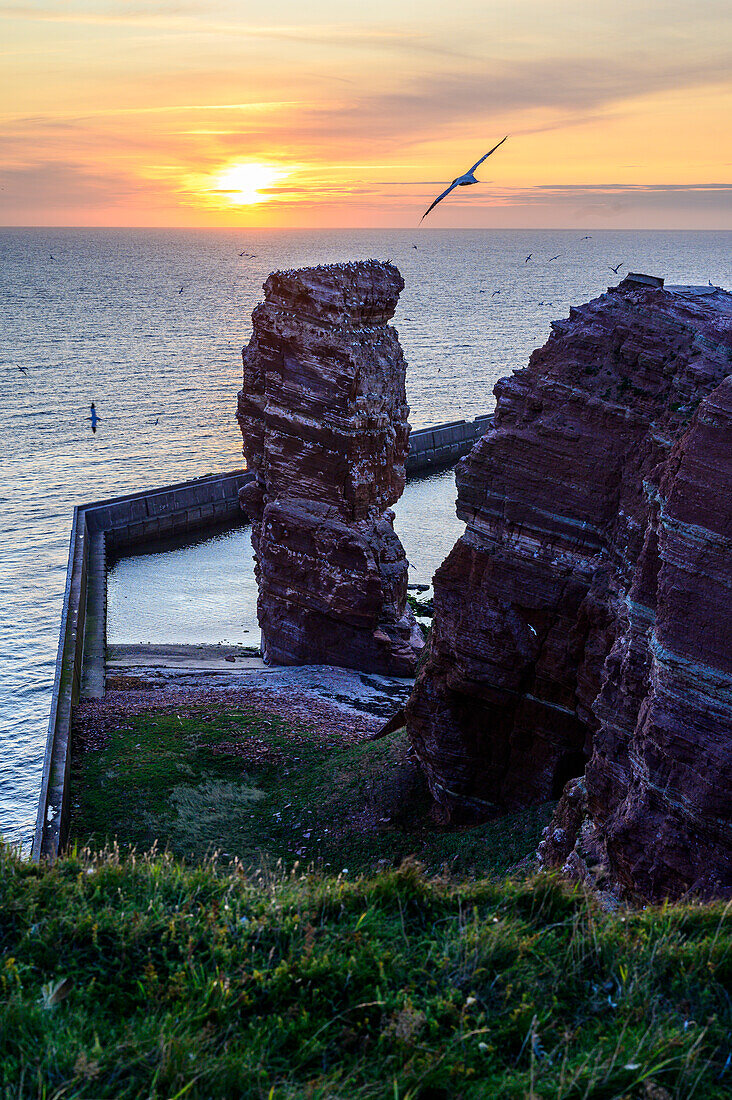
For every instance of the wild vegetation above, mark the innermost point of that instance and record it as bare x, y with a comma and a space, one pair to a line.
253, 785
309, 958
141, 977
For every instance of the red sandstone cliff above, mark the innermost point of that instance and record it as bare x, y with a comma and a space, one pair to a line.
323, 414
586, 610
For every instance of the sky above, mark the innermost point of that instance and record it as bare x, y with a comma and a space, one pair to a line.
316, 113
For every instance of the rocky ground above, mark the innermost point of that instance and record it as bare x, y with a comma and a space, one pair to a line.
191, 674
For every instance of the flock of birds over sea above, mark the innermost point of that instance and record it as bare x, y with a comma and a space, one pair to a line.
467, 179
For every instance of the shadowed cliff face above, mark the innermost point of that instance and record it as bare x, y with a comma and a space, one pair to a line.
598, 512
323, 414
659, 781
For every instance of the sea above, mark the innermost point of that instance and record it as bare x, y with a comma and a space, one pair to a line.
149, 325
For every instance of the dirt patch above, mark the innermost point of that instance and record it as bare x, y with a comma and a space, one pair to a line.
129, 683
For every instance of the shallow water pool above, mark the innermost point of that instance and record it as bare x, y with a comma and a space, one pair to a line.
205, 591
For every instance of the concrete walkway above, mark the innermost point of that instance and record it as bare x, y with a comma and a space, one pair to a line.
192, 667
203, 658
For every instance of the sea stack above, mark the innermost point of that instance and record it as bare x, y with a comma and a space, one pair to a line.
581, 624
323, 414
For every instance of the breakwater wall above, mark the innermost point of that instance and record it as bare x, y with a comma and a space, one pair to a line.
142, 517
443, 445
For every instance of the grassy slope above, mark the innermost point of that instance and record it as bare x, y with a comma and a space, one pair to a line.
205, 982
219, 980
263, 789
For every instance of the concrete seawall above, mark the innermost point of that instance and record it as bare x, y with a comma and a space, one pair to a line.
444, 445
143, 517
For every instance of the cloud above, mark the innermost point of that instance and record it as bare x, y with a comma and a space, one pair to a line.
527, 96
499, 89
71, 193
664, 195
649, 204
361, 37
130, 126
63, 185
408, 106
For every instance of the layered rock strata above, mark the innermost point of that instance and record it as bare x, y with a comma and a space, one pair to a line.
323, 415
585, 614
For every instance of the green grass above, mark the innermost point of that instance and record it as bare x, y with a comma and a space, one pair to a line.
253, 786
270, 971
141, 977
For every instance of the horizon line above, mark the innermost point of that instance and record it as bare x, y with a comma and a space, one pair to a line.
382, 228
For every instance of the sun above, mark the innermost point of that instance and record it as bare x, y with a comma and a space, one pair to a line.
242, 182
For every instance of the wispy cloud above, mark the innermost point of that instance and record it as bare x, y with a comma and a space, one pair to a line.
426, 107
713, 194
65, 184
362, 37
126, 103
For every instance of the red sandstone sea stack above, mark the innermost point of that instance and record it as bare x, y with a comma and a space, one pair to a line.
323, 414
585, 614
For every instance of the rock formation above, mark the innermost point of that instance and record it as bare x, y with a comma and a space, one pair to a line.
323, 414
586, 610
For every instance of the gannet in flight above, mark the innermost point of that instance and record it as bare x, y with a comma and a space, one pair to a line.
464, 180
615, 269
95, 418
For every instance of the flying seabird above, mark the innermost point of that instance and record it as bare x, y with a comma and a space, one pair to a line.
585, 238
462, 181
94, 418
615, 269
23, 370
553, 258
528, 257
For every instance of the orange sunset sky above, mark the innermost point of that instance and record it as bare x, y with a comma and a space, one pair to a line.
322, 113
